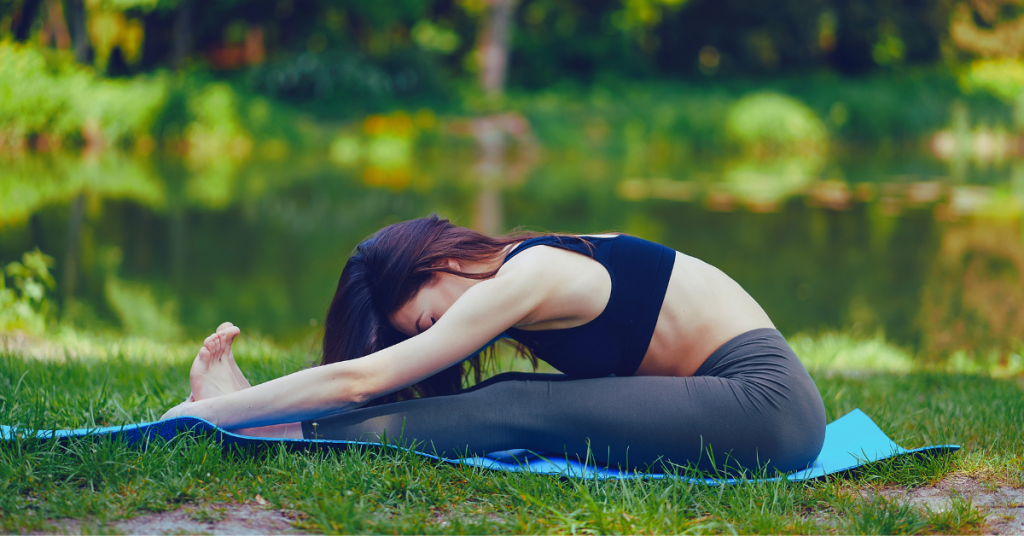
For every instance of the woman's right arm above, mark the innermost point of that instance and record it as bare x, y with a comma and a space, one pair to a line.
482, 313
306, 394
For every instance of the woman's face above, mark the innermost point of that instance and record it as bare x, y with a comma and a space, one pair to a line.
428, 305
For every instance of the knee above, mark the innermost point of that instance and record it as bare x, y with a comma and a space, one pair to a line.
798, 440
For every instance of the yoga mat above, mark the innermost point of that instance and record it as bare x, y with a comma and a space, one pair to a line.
851, 441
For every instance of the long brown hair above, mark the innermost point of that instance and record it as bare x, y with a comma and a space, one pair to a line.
386, 271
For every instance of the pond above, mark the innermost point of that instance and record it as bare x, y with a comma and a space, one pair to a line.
927, 251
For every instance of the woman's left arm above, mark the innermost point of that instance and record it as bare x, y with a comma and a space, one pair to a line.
482, 313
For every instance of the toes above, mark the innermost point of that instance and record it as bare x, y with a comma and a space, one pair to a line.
210, 344
229, 331
230, 334
204, 356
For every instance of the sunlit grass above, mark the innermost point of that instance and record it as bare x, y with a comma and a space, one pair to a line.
833, 352
379, 491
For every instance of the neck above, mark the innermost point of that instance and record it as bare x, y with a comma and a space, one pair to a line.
482, 267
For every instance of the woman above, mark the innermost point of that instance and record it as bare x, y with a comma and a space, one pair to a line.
666, 359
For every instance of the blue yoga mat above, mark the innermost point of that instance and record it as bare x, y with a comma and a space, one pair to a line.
851, 441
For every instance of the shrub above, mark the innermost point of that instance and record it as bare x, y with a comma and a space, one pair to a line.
26, 306
774, 121
44, 94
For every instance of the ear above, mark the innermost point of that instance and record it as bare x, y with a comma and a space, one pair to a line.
455, 265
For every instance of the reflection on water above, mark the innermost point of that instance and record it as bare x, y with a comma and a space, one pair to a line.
974, 295
159, 245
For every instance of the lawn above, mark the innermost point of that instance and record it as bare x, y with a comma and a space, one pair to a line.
92, 486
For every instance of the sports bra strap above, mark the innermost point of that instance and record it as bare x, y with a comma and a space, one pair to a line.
570, 242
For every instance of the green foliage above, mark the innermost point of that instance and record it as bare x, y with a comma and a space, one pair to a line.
962, 517
769, 181
1002, 77
140, 312
776, 121
25, 305
215, 121
34, 97
50, 95
838, 351
430, 36
346, 84
884, 516
802, 113
32, 181
43, 93
125, 110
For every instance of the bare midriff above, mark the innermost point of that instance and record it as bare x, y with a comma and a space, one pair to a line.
703, 309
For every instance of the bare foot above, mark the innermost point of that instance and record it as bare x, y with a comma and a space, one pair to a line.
230, 331
214, 370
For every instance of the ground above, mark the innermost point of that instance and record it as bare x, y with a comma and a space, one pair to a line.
192, 485
1002, 505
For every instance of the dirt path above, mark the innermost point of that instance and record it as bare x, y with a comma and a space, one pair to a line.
216, 518
1002, 505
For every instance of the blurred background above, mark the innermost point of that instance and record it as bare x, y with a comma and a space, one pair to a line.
166, 165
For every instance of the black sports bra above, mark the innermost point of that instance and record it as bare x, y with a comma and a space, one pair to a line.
616, 341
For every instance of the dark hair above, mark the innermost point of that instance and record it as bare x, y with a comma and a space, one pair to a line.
385, 272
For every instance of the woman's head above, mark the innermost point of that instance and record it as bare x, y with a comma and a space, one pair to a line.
379, 301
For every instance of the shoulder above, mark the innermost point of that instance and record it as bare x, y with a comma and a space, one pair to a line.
533, 260
542, 267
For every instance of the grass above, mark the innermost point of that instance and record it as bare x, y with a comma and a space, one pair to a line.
383, 491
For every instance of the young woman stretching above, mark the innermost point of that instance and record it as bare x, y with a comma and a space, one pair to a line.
665, 358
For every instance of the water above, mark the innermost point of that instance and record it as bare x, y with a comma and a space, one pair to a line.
929, 252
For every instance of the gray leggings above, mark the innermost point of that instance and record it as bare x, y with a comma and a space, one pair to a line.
751, 404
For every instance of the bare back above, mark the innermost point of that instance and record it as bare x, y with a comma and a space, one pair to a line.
703, 307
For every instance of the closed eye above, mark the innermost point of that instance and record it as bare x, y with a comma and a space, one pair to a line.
421, 330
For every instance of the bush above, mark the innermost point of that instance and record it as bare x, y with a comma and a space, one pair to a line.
48, 94
26, 306
775, 121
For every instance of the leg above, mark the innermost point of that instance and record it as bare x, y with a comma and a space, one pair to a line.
214, 373
630, 421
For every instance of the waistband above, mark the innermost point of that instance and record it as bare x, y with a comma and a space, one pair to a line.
761, 336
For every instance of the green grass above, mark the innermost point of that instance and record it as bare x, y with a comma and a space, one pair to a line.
383, 491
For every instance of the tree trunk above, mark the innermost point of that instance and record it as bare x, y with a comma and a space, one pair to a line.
491, 132
79, 36
182, 34
178, 242
495, 40
24, 18
57, 25
74, 241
